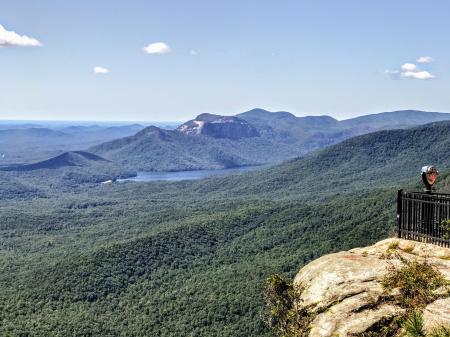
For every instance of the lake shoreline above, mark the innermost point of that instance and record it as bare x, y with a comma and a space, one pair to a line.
150, 176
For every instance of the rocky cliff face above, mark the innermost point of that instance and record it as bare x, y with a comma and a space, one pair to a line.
219, 127
344, 294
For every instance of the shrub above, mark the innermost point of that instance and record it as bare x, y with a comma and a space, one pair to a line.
393, 245
416, 282
445, 226
413, 326
285, 316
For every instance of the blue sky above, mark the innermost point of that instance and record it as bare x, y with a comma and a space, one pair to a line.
341, 58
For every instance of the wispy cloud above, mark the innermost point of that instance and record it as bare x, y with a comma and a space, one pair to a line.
100, 70
392, 72
425, 59
12, 39
157, 48
411, 70
193, 52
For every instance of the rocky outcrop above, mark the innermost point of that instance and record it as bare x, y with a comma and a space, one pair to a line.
219, 127
344, 295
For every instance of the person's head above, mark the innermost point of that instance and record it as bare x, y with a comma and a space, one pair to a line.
429, 175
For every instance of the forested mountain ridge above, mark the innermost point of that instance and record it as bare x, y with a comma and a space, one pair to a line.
251, 138
377, 121
155, 149
69, 169
380, 158
71, 158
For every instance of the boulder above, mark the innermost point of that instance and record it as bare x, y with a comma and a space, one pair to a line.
437, 314
344, 294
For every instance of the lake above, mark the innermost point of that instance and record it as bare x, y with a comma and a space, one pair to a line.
187, 175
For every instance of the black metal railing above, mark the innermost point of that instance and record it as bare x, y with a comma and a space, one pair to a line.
424, 217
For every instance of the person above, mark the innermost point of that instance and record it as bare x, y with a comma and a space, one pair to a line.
429, 177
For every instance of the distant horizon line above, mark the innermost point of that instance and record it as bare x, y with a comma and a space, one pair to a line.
62, 121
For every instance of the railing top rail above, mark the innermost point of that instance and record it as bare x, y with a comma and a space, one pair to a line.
442, 195
439, 202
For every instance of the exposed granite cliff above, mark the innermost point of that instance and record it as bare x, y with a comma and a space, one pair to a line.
219, 127
345, 294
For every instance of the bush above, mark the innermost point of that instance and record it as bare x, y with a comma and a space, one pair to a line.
413, 326
285, 316
445, 226
416, 282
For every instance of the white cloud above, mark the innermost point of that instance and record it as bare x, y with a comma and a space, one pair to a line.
409, 67
425, 59
157, 48
101, 70
410, 70
193, 52
418, 75
12, 39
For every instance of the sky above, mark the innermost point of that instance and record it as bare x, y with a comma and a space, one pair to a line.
172, 60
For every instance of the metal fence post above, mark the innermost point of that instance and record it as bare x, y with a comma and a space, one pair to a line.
399, 212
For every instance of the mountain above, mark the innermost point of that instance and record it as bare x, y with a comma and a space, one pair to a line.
68, 168
155, 149
67, 159
102, 132
219, 127
255, 137
396, 119
264, 117
384, 120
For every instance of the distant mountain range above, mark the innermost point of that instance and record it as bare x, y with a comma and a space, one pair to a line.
30, 143
254, 137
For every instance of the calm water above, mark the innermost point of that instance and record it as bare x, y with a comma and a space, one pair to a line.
187, 175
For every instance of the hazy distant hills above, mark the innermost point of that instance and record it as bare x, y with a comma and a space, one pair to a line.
251, 138
28, 144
